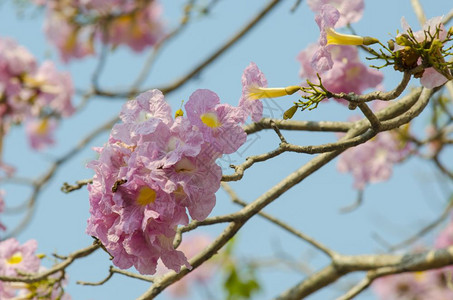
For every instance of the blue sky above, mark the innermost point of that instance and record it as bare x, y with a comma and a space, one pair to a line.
394, 209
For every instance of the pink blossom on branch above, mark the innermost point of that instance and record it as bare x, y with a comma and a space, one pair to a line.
138, 30
40, 131
55, 89
219, 123
348, 74
2, 208
154, 170
373, 161
70, 40
75, 26
17, 260
252, 78
32, 92
15, 60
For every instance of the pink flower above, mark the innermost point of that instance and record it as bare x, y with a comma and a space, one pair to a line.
219, 123
191, 246
15, 60
252, 77
32, 92
373, 161
70, 40
142, 116
136, 224
401, 286
151, 171
348, 74
15, 257
138, 30
74, 26
351, 11
326, 18
196, 180
55, 89
40, 132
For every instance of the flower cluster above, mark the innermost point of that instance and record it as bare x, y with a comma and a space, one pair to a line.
35, 95
73, 26
153, 169
17, 260
373, 161
425, 48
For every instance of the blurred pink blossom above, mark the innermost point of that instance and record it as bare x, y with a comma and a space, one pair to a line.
40, 132
351, 11
348, 74
17, 260
373, 161
74, 26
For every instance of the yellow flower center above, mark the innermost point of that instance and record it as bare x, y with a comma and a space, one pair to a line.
179, 113
146, 196
210, 120
15, 259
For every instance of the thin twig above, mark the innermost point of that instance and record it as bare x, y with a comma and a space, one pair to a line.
67, 188
426, 229
206, 62
56, 268
385, 96
355, 204
277, 131
282, 224
326, 126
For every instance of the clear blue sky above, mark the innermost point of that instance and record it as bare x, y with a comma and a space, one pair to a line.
393, 209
